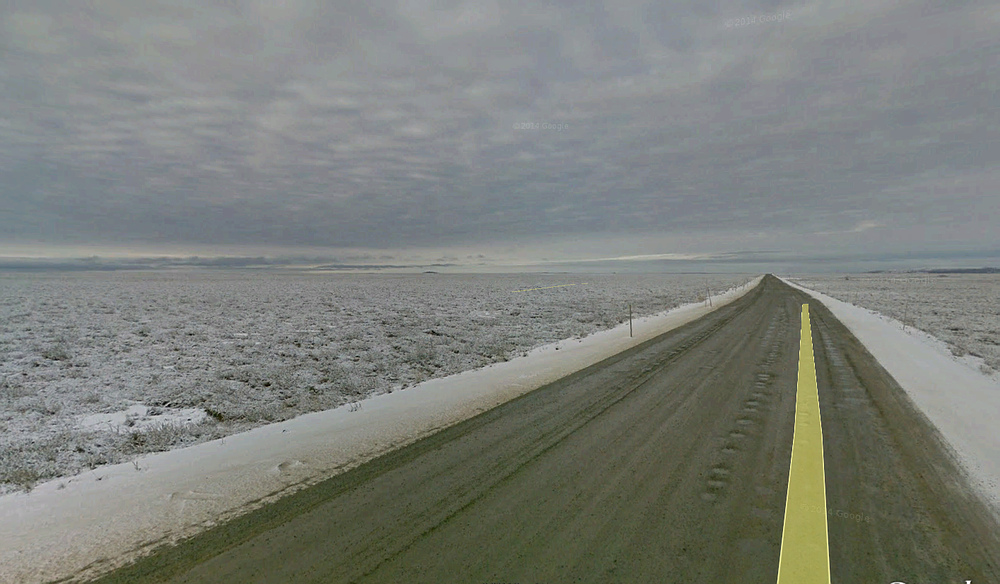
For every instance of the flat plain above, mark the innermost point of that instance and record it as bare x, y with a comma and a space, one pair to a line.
101, 367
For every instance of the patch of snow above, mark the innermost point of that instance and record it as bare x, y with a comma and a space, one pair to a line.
140, 417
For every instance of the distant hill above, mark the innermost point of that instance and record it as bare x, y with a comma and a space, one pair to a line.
939, 271
962, 271
358, 267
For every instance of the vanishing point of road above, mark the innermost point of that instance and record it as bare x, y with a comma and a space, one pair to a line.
669, 462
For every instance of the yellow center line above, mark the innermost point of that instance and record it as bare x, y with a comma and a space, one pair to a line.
547, 287
805, 542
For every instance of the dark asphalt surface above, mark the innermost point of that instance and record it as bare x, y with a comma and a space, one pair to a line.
666, 463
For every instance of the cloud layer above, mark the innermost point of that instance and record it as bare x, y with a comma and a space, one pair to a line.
633, 127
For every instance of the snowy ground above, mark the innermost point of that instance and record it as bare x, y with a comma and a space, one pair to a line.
958, 395
66, 524
92, 519
961, 309
101, 368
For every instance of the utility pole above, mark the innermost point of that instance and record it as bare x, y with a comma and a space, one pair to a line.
629, 320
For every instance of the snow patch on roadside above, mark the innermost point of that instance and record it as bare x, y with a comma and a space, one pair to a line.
140, 417
99, 519
957, 397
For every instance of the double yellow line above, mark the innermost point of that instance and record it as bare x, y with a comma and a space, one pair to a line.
805, 543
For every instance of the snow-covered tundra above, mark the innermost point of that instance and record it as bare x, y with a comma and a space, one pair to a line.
101, 367
962, 310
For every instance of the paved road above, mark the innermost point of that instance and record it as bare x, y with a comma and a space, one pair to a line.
666, 463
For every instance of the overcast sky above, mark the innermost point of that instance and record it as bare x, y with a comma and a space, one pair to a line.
501, 131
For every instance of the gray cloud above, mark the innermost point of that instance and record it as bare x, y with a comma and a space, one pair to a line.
863, 128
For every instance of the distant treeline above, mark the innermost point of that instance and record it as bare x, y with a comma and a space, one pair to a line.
963, 271
940, 271
376, 267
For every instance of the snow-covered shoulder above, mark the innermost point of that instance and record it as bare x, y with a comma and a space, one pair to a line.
104, 517
957, 397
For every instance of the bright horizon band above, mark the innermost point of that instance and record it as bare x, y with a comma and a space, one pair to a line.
805, 543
